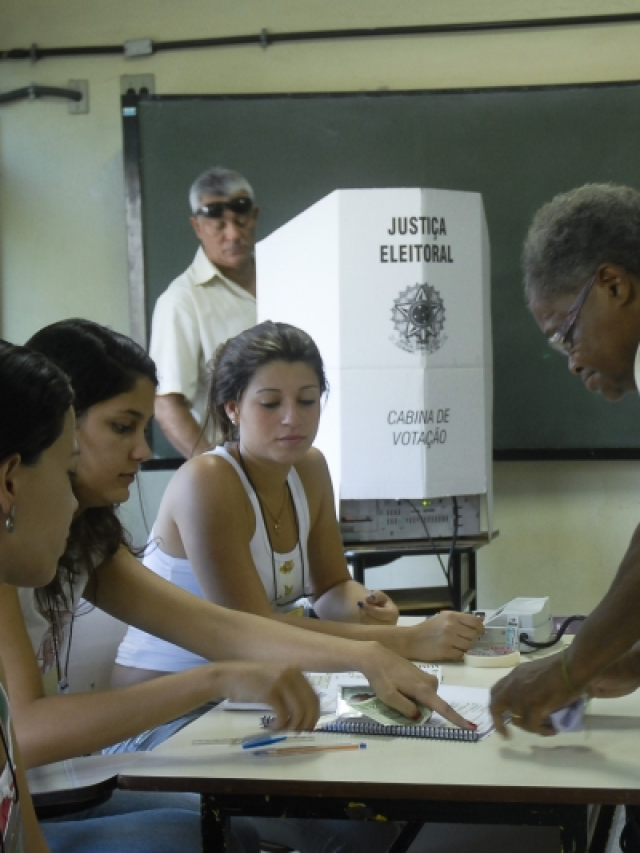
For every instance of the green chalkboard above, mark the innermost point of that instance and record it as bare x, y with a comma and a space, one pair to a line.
518, 147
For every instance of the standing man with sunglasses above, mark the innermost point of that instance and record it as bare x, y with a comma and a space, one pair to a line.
582, 283
212, 301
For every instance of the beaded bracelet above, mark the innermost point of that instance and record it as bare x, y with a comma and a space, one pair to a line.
565, 672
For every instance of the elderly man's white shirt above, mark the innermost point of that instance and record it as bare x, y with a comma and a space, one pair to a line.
197, 312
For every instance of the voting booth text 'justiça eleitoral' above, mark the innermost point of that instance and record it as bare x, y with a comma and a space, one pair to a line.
393, 285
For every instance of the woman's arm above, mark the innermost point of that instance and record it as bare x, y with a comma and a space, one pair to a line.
52, 728
33, 839
133, 594
337, 597
204, 517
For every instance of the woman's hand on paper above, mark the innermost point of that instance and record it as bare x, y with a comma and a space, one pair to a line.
400, 684
378, 609
294, 703
446, 636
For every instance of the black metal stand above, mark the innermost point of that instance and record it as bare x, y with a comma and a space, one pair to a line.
462, 593
571, 819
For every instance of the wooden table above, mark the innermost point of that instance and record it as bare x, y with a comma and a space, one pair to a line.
526, 780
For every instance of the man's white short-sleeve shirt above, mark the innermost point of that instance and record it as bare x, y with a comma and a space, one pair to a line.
197, 312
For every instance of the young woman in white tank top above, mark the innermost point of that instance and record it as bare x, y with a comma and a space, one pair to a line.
252, 525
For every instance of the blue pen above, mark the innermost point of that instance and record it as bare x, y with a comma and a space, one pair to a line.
304, 750
260, 740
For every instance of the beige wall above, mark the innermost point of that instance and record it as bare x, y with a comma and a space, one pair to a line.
62, 236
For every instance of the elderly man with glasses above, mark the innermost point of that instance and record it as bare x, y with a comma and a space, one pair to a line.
582, 282
212, 301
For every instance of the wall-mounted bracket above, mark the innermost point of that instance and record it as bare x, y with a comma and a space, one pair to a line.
138, 84
82, 106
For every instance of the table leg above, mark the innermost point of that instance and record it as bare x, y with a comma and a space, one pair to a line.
473, 582
573, 830
215, 826
404, 841
602, 831
357, 563
456, 580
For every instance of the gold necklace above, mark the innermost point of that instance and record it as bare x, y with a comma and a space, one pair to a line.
264, 521
276, 518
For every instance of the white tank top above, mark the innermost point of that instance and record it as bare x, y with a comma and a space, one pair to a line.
292, 583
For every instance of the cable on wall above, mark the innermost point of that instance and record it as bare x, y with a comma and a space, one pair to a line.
33, 92
264, 39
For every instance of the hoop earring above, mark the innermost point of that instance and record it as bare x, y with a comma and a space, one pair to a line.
10, 522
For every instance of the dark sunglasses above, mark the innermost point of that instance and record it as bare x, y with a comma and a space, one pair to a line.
240, 206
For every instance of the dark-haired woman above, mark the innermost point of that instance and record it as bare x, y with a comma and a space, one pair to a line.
252, 525
38, 460
114, 383
37, 454
38, 457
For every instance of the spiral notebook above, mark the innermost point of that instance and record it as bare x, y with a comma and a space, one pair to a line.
470, 702
425, 732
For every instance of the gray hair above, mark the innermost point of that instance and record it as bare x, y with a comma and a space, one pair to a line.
575, 232
218, 181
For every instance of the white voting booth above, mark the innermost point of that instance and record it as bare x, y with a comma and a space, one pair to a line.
393, 285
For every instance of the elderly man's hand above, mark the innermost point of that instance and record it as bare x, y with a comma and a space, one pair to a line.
619, 679
529, 695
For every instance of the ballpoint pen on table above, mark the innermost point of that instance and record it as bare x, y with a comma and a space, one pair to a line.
266, 740
250, 742
303, 750
262, 740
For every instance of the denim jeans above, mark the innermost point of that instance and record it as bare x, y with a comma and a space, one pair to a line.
140, 822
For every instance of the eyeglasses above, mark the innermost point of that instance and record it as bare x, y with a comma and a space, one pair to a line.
241, 206
560, 339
